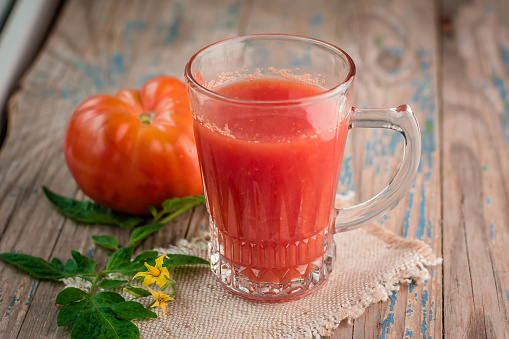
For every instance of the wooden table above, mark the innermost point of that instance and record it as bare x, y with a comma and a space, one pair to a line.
449, 61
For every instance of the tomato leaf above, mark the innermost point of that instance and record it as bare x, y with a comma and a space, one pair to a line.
106, 241
141, 233
101, 322
107, 284
136, 292
54, 270
137, 265
152, 210
68, 314
132, 310
84, 264
70, 267
174, 203
120, 259
90, 213
183, 259
69, 295
59, 265
172, 208
35, 266
102, 315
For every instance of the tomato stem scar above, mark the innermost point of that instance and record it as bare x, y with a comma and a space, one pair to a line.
147, 117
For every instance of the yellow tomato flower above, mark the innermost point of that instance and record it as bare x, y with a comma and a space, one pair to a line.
157, 273
161, 299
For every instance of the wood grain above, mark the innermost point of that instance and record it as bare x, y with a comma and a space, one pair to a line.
476, 165
395, 49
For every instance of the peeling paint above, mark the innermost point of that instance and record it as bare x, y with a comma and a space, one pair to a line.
386, 324
118, 61
317, 20
424, 325
11, 304
31, 293
93, 72
504, 53
409, 211
421, 225
346, 184
173, 31
66, 94
131, 27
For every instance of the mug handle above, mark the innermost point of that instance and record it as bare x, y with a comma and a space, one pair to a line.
400, 119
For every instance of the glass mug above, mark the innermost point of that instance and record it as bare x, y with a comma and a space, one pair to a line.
271, 115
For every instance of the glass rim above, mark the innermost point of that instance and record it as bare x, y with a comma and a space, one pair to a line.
341, 86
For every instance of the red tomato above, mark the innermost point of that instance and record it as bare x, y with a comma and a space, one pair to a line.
136, 148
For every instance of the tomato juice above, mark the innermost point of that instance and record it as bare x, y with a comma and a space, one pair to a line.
270, 173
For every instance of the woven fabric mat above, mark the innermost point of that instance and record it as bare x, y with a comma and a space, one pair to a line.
370, 264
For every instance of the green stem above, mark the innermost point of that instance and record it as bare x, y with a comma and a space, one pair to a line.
177, 213
146, 117
96, 281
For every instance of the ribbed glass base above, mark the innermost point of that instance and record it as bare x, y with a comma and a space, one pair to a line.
271, 272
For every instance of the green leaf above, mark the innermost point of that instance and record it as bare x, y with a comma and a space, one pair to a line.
69, 295
68, 314
183, 259
138, 264
101, 322
141, 233
58, 264
132, 310
108, 298
111, 283
84, 264
35, 266
174, 207
148, 256
173, 204
70, 267
89, 212
93, 317
152, 210
120, 259
106, 241
137, 292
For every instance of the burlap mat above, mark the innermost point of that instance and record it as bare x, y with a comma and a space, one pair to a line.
370, 263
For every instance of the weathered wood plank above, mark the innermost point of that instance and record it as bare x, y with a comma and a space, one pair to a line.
368, 325
476, 165
395, 48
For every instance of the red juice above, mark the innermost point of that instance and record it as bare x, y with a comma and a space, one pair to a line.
270, 175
